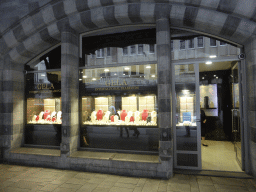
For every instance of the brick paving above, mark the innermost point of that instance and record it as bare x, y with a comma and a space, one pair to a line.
15, 178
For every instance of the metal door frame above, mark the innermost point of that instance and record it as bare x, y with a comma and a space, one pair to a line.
198, 152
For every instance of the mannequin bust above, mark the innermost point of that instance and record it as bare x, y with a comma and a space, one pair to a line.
53, 114
93, 116
127, 119
41, 116
123, 115
116, 118
144, 115
59, 116
34, 118
100, 114
153, 116
46, 113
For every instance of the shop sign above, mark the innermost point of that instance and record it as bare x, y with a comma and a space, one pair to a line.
115, 83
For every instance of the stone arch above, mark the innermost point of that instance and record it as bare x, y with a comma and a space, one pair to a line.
40, 30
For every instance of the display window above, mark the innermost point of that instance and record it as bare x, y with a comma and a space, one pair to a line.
43, 92
119, 95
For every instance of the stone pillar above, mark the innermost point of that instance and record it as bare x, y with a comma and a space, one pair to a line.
69, 90
164, 70
12, 104
250, 51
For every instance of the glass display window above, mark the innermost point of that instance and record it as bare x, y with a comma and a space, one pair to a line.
124, 95
43, 92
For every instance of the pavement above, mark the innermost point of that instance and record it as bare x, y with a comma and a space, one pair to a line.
15, 178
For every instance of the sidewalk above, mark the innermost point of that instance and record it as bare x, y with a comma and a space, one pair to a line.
15, 178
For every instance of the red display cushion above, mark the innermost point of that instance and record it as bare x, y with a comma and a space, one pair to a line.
100, 114
123, 115
144, 115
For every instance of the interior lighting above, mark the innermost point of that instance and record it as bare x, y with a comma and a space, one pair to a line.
214, 75
106, 70
148, 67
42, 75
153, 76
208, 62
94, 79
80, 79
202, 77
115, 74
84, 76
126, 68
217, 77
123, 74
212, 56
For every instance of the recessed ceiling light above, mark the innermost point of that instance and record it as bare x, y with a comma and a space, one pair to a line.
208, 62
217, 77
81, 71
202, 77
42, 75
80, 79
85, 76
212, 56
106, 70
123, 74
126, 68
214, 75
93, 79
115, 74
148, 67
153, 76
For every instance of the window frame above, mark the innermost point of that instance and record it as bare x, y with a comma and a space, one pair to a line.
184, 45
198, 41
215, 42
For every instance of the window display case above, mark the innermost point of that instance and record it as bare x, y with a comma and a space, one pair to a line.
132, 110
44, 111
43, 107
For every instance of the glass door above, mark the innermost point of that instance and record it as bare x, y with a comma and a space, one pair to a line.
236, 113
187, 130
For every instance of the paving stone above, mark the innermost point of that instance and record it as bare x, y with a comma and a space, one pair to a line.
77, 181
178, 187
12, 189
70, 186
120, 189
125, 185
100, 189
230, 188
207, 188
128, 180
227, 181
88, 187
49, 187
27, 184
204, 181
60, 189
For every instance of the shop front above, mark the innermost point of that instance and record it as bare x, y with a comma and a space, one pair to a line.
124, 83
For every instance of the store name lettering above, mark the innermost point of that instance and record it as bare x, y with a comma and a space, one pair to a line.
115, 88
115, 83
45, 86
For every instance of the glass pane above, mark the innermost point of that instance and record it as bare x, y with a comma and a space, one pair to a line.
186, 127
43, 92
187, 160
129, 95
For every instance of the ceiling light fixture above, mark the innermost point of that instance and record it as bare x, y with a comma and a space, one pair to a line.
153, 76
148, 67
85, 76
126, 68
94, 79
213, 56
80, 79
208, 62
106, 70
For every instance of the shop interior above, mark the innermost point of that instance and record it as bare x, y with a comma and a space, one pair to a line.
219, 98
